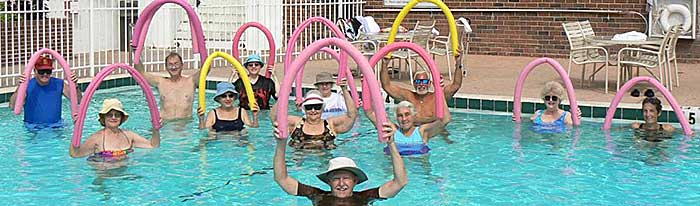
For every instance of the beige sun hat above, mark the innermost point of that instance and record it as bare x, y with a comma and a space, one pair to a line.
343, 163
113, 104
324, 77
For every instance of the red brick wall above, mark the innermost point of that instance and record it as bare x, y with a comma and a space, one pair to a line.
533, 33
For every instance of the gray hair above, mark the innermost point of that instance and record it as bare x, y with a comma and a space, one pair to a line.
553, 87
405, 104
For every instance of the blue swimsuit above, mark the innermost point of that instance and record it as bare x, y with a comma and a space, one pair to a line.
557, 126
410, 145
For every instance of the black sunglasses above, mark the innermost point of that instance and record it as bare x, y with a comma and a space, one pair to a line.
254, 64
229, 95
309, 107
550, 98
44, 71
647, 93
421, 81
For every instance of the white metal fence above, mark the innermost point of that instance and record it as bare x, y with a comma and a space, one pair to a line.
91, 34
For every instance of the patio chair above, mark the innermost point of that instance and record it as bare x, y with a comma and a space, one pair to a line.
440, 45
671, 52
421, 38
648, 56
368, 48
583, 53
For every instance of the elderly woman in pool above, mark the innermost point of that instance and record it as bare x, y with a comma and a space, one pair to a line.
552, 115
113, 143
227, 117
651, 107
411, 139
313, 132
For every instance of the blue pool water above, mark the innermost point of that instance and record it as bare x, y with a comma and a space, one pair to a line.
491, 162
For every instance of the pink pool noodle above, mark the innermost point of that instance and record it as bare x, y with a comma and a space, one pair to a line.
290, 50
351, 81
22, 90
517, 102
669, 97
144, 21
270, 42
297, 65
90, 91
434, 71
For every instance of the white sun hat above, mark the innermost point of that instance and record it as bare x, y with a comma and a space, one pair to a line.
343, 163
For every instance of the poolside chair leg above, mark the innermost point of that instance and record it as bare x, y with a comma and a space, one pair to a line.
568, 72
675, 66
583, 74
606, 78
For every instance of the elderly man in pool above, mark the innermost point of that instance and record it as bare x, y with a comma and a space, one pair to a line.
176, 91
342, 176
422, 97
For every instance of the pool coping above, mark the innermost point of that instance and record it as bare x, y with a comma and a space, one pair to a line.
628, 111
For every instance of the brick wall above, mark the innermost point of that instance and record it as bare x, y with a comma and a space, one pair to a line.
533, 33
20, 41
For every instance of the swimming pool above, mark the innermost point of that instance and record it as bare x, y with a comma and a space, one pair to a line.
488, 163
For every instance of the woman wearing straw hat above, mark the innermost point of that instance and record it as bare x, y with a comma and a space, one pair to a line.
113, 143
342, 176
312, 131
227, 117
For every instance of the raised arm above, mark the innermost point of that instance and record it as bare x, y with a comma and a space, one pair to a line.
398, 93
153, 80
287, 183
13, 98
344, 123
292, 120
394, 186
195, 77
86, 148
452, 89
142, 142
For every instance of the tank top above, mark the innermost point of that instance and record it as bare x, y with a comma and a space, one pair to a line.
301, 140
410, 145
43, 103
557, 126
221, 125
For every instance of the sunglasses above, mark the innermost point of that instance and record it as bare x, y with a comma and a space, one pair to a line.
44, 72
551, 98
253, 64
229, 95
421, 81
647, 93
309, 107
115, 115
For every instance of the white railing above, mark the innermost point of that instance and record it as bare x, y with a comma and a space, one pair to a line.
91, 34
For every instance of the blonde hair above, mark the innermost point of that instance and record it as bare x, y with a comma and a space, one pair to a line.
405, 104
553, 87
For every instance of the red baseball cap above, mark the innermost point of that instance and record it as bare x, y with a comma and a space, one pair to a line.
44, 62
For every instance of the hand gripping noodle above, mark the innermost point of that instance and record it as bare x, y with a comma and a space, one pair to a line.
144, 21
434, 71
90, 91
290, 51
270, 42
351, 84
517, 102
22, 90
450, 21
297, 65
669, 97
241, 74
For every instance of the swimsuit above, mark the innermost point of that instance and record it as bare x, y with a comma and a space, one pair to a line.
111, 155
410, 145
301, 140
221, 125
42, 107
557, 126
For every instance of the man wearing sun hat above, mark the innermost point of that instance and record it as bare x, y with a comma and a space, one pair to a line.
263, 88
42, 107
342, 176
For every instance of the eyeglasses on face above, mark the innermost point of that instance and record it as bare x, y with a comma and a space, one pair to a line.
44, 71
254, 64
115, 115
421, 81
550, 98
309, 107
